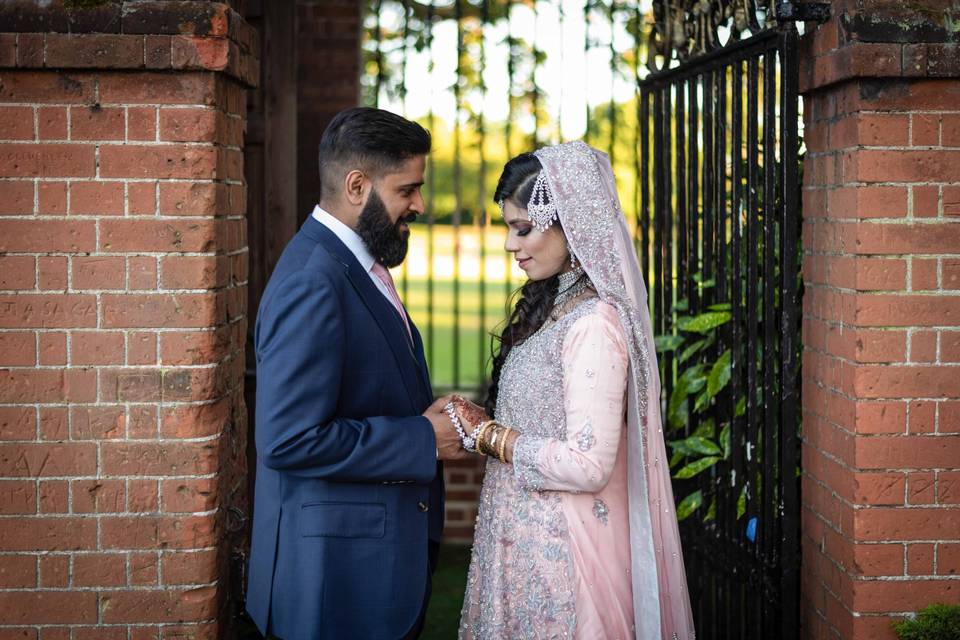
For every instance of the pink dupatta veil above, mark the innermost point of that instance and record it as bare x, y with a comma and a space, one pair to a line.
583, 188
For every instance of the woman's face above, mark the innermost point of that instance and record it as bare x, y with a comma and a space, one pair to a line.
541, 255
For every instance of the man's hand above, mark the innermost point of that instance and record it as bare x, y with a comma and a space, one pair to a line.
448, 440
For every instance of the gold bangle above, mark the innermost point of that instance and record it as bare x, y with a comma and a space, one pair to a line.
489, 438
503, 445
482, 445
481, 434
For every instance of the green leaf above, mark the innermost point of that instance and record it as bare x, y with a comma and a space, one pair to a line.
719, 374
691, 350
703, 400
711, 510
695, 445
720, 306
741, 502
704, 446
698, 383
741, 407
681, 447
667, 343
690, 381
689, 504
693, 377
677, 412
696, 467
676, 458
707, 429
706, 284
678, 419
704, 322
682, 305
725, 440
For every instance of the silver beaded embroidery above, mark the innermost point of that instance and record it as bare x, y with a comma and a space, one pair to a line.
541, 209
586, 439
539, 608
588, 217
522, 581
601, 510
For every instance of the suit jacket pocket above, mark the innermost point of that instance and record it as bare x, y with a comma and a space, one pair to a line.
342, 520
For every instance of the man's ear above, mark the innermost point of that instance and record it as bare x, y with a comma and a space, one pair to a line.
354, 187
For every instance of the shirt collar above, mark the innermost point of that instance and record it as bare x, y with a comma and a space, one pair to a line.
347, 236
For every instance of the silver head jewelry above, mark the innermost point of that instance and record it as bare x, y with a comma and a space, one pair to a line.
541, 209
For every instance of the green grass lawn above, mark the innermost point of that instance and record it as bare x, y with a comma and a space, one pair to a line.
447, 329
455, 315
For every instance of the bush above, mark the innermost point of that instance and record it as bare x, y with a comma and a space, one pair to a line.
936, 622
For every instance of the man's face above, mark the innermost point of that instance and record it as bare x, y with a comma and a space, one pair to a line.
393, 203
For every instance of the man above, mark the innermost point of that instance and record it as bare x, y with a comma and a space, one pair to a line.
349, 492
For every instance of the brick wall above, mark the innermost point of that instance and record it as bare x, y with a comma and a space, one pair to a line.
881, 367
328, 38
463, 480
122, 317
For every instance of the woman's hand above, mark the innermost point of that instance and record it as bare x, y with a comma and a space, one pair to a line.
469, 413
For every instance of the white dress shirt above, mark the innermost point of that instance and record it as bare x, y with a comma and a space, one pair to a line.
356, 245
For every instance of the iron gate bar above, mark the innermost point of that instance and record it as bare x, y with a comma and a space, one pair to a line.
457, 193
693, 196
789, 305
752, 248
737, 422
718, 58
717, 121
482, 191
643, 233
431, 191
681, 188
768, 497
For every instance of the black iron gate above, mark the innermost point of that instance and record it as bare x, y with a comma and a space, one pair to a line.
718, 238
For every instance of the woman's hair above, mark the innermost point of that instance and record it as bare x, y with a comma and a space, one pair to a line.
535, 298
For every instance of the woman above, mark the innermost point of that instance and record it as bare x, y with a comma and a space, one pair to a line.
576, 535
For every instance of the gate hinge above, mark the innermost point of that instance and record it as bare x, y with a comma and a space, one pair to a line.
803, 11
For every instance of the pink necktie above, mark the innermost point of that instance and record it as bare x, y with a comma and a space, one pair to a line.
381, 272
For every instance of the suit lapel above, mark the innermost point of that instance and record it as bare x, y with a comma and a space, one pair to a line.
421, 361
380, 308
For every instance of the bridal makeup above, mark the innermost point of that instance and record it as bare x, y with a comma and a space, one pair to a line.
541, 254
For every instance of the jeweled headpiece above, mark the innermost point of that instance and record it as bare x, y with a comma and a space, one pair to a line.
541, 209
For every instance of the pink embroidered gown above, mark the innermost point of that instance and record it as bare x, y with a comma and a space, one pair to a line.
551, 554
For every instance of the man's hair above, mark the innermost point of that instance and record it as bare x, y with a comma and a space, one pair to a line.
372, 140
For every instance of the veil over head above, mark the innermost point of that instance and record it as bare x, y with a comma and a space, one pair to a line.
584, 192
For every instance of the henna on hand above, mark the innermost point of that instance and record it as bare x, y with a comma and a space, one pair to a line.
469, 412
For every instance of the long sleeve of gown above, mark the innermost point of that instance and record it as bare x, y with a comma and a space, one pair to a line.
594, 360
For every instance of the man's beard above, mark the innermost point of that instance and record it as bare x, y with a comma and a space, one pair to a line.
385, 240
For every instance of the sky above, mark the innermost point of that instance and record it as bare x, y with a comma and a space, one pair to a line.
568, 87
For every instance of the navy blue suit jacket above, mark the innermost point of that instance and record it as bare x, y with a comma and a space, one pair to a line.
348, 488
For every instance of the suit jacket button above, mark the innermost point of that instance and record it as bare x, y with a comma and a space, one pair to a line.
422, 506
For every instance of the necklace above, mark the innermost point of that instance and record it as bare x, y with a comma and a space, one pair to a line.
571, 284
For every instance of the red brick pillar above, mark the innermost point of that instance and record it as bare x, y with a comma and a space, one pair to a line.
881, 367
122, 316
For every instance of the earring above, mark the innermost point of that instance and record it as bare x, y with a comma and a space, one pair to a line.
573, 257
